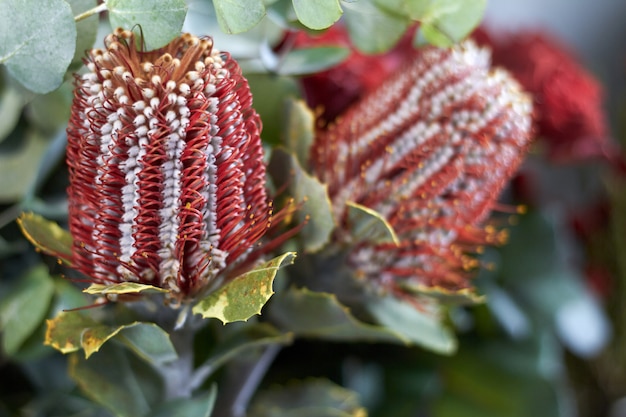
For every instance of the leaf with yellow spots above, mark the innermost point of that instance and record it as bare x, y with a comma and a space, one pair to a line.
244, 296
368, 225
71, 331
47, 236
465, 296
123, 288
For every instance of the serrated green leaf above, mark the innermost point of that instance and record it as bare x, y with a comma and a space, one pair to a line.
123, 288
118, 381
197, 406
245, 295
37, 54
47, 236
86, 29
25, 308
317, 208
314, 314
71, 331
308, 398
299, 129
11, 104
420, 324
16, 168
445, 22
159, 21
317, 14
367, 225
371, 29
304, 61
236, 16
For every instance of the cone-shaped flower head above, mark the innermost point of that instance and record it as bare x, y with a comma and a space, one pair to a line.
167, 182
430, 150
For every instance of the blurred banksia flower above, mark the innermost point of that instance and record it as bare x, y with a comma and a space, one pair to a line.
569, 117
430, 150
167, 181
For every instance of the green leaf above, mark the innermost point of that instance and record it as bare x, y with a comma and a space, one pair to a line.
123, 288
24, 308
311, 60
86, 29
11, 104
71, 331
367, 225
236, 16
148, 341
245, 295
197, 406
37, 41
420, 324
313, 314
269, 92
299, 129
317, 208
120, 382
50, 112
241, 341
317, 14
47, 236
309, 398
16, 168
371, 29
445, 22
159, 21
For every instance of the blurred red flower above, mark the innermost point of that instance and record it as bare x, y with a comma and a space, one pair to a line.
569, 114
430, 149
337, 88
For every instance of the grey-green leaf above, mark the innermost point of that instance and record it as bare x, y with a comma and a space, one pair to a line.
25, 307
445, 22
310, 60
320, 315
316, 210
11, 104
236, 16
317, 14
37, 41
197, 406
16, 168
421, 325
312, 397
159, 21
117, 380
86, 29
372, 29
299, 129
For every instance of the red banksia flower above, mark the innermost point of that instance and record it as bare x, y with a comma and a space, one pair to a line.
568, 99
167, 182
430, 150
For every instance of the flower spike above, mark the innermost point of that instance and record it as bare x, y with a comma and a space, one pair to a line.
430, 150
167, 181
